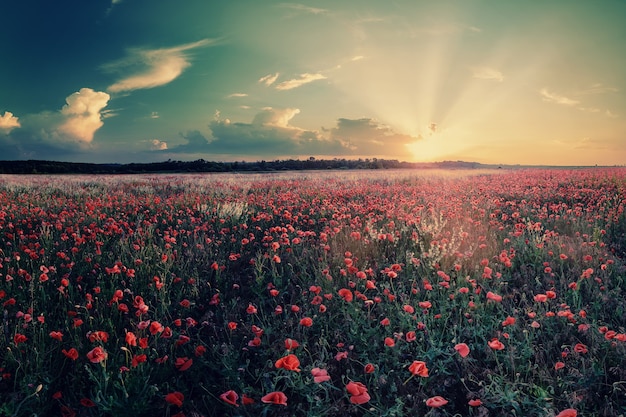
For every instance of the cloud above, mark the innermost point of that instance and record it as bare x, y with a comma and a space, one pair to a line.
158, 145
271, 133
597, 88
303, 8
556, 98
237, 95
486, 73
83, 114
269, 79
368, 137
8, 122
297, 82
158, 66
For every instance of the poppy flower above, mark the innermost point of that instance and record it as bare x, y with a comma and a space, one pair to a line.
72, 353
436, 401
86, 402
137, 359
289, 363
97, 355
580, 348
463, 349
156, 327
369, 368
57, 335
408, 309
410, 336
389, 342
175, 398
495, 344
19, 338
276, 397
475, 402
358, 392
494, 297
230, 397
291, 344
559, 365
508, 322
182, 364
568, 412
419, 368
320, 375
245, 400
346, 294
306, 322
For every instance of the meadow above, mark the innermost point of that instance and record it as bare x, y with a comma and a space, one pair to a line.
373, 293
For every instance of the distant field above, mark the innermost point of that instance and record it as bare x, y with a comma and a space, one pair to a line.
327, 293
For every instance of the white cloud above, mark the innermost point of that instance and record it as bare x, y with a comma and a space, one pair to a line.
269, 79
160, 66
237, 95
610, 114
154, 115
303, 8
297, 82
275, 117
158, 145
83, 114
8, 122
487, 73
597, 88
556, 98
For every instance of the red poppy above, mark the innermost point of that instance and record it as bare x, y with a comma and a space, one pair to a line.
57, 335
182, 364
72, 353
137, 359
230, 397
580, 348
463, 349
251, 309
98, 336
508, 322
276, 397
289, 363
425, 304
320, 375
346, 294
389, 342
97, 355
306, 322
245, 400
419, 368
358, 392
19, 338
410, 336
559, 365
369, 368
156, 327
475, 402
495, 344
175, 398
436, 401
494, 297
568, 412
291, 344
86, 402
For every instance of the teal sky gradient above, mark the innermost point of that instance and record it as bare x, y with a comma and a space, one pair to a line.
141, 81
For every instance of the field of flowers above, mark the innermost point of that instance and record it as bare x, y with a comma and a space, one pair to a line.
314, 294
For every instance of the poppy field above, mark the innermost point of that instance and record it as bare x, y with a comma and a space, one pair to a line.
393, 293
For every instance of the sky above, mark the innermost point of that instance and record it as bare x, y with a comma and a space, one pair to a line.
489, 81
